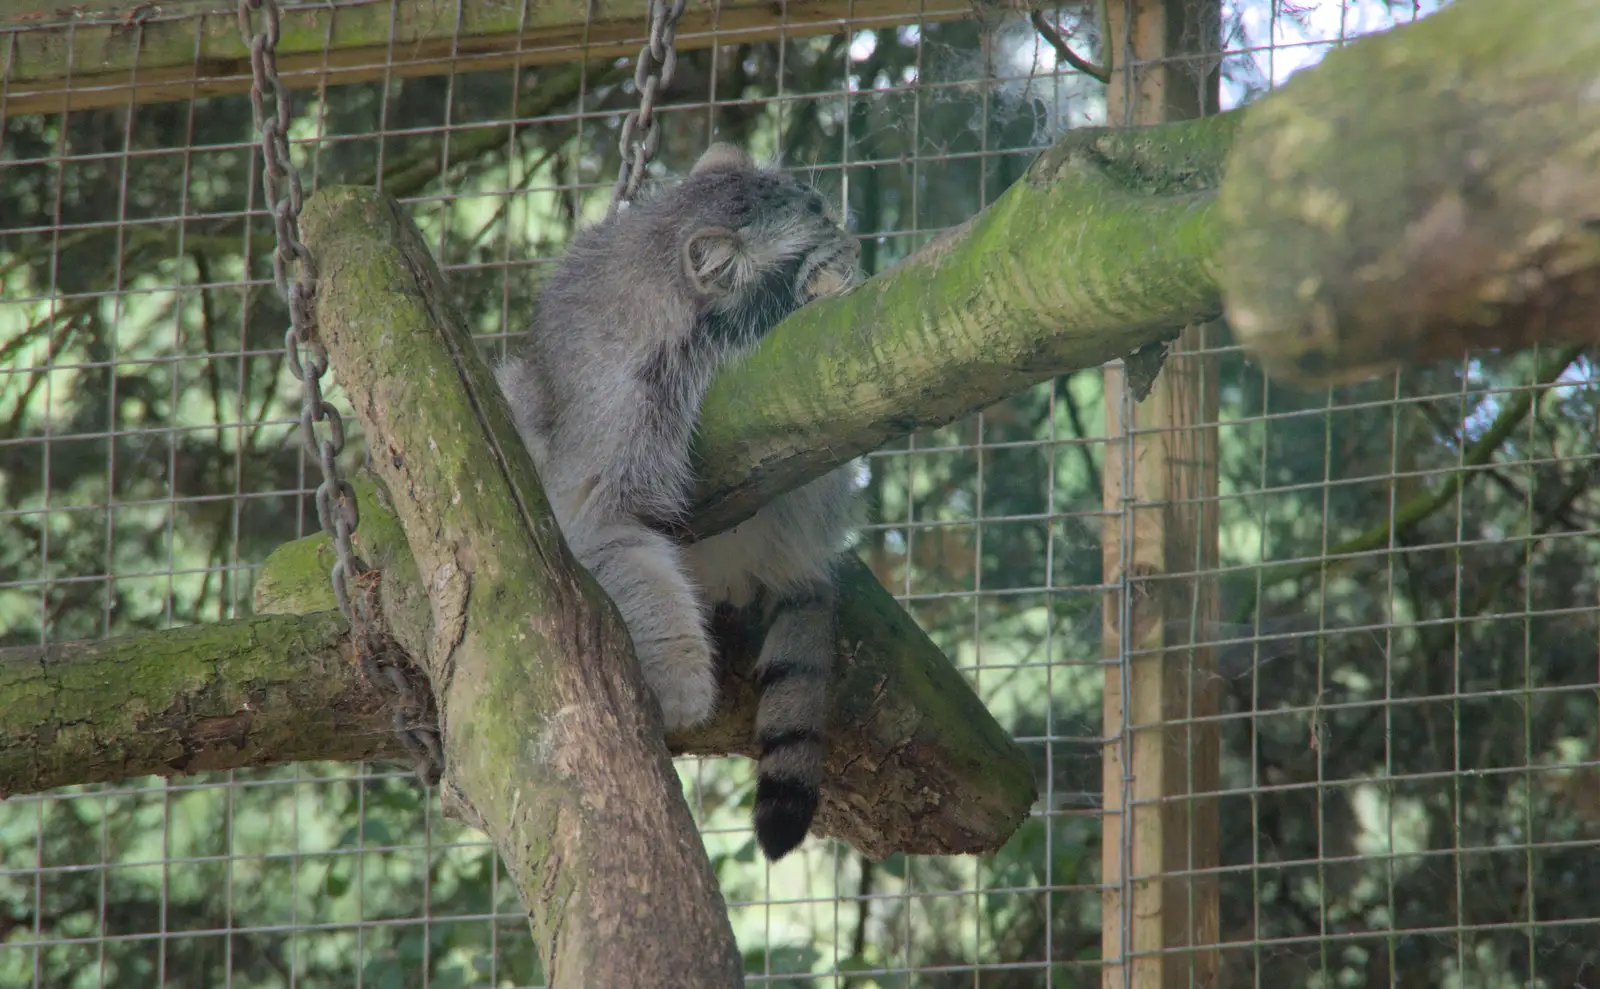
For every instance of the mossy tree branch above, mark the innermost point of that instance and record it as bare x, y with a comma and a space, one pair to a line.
207, 697
1101, 249
1421, 192
551, 744
1115, 237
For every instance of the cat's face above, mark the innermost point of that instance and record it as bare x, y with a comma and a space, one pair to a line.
759, 243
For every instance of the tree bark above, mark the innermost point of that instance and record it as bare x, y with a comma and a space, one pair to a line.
262, 690
550, 739
1422, 192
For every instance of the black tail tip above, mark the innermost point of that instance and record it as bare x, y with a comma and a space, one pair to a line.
784, 809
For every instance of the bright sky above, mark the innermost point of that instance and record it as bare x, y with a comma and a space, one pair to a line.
1300, 32
1279, 37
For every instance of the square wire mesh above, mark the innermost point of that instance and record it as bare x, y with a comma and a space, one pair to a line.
1407, 651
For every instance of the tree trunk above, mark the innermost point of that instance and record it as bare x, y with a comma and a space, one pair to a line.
550, 738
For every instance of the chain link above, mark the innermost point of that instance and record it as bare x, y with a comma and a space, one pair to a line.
652, 73
336, 499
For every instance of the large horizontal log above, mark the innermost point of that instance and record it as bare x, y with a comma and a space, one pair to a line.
285, 687
134, 51
918, 765
1420, 193
252, 692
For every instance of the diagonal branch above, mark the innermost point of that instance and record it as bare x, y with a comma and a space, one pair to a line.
1103, 247
551, 745
1053, 38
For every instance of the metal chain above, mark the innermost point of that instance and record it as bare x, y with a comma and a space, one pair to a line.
336, 499
652, 72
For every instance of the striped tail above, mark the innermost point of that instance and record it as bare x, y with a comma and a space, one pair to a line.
791, 718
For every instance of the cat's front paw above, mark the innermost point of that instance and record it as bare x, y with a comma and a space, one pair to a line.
685, 687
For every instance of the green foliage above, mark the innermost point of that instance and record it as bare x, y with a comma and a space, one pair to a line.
308, 871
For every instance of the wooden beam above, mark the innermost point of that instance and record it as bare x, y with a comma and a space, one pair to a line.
56, 58
1160, 539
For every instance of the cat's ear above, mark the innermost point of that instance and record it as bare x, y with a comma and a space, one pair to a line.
712, 259
722, 157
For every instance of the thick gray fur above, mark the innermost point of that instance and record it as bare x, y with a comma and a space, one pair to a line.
630, 330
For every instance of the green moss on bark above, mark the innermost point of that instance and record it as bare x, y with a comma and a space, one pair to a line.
548, 733
1104, 248
240, 693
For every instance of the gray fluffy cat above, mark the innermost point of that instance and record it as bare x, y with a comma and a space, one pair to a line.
630, 330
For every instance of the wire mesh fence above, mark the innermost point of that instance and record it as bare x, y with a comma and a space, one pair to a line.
1405, 639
